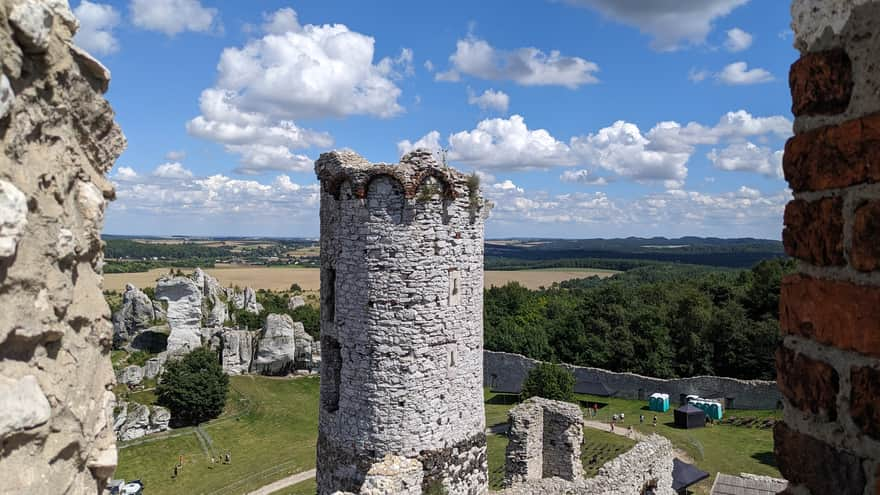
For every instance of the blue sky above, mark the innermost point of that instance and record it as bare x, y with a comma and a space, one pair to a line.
585, 118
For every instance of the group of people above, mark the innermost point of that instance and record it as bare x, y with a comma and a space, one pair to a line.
227, 459
615, 418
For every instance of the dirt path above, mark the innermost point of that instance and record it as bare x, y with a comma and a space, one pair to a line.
284, 483
636, 435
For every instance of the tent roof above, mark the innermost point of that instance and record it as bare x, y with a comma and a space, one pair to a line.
689, 409
593, 388
685, 475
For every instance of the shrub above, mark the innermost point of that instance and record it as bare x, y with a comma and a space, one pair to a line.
193, 388
549, 381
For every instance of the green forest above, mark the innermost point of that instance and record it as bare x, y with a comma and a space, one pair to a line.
660, 320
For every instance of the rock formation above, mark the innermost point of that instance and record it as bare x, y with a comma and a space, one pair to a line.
153, 366
136, 323
295, 301
58, 140
135, 420
130, 375
213, 299
276, 347
184, 299
237, 351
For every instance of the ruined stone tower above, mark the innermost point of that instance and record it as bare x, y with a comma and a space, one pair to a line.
401, 321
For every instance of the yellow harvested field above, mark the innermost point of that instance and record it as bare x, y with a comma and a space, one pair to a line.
280, 278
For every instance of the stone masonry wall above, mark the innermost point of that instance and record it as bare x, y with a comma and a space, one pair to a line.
402, 321
647, 465
829, 363
504, 371
58, 141
545, 439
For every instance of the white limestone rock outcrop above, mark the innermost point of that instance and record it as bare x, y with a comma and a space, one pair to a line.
153, 367
276, 347
58, 140
135, 420
237, 351
130, 375
295, 301
213, 299
184, 314
307, 351
137, 314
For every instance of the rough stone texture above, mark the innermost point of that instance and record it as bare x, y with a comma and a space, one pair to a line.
505, 371
545, 439
58, 141
814, 231
401, 329
809, 384
806, 460
153, 367
394, 475
130, 375
237, 351
136, 315
184, 298
295, 302
830, 315
821, 83
865, 251
307, 351
137, 420
647, 465
841, 314
865, 401
213, 299
276, 351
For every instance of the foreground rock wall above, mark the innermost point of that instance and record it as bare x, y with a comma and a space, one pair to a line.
829, 364
504, 371
58, 141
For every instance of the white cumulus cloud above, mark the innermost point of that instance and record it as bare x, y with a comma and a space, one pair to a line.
172, 170
509, 144
527, 66
173, 17
671, 23
748, 157
583, 177
489, 100
738, 74
96, 24
737, 40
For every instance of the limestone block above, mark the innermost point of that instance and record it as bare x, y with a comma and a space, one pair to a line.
6, 96
184, 314
276, 351
13, 217
131, 375
33, 25
295, 302
22, 405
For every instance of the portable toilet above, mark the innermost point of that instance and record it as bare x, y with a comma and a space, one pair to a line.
658, 402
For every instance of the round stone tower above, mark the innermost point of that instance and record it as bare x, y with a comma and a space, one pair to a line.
401, 321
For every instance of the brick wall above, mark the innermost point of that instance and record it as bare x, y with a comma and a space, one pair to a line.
829, 362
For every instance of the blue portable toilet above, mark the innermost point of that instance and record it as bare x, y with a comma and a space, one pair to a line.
658, 402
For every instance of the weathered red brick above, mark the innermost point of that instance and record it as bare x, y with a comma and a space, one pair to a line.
809, 385
835, 156
841, 314
865, 251
821, 83
805, 460
865, 400
814, 231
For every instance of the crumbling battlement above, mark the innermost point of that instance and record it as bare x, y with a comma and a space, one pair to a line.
545, 438
58, 140
829, 363
401, 322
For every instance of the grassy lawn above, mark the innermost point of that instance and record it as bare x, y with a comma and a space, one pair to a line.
717, 448
269, 426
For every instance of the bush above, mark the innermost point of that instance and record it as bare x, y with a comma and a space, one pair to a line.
549, 381
193, 388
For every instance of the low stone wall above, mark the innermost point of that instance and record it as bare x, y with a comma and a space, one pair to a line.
648, 464
505, 371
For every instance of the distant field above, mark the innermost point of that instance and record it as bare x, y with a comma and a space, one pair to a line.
280, 278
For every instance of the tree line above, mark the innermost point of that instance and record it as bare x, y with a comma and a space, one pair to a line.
666, 321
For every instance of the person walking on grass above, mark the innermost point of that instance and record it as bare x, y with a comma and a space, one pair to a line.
655, 421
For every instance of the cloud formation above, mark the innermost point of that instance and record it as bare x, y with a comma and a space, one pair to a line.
489, 100
673, 24
739, 74
737, 40
526, 66
172, 17
96, 24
